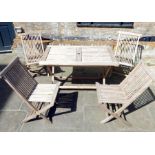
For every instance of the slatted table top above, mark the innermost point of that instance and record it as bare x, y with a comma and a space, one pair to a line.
79, 56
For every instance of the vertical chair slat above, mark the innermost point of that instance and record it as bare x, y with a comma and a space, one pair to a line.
136, 81
126, 48
20, 79
33, 47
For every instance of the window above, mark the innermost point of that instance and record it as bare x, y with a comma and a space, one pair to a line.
106, 24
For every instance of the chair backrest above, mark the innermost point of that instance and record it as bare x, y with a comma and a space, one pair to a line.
126, 48
33, 47
136, 82
19, 79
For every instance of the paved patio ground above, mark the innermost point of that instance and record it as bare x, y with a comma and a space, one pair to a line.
77, 110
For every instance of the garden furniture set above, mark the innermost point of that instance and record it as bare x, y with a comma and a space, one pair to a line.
41, 97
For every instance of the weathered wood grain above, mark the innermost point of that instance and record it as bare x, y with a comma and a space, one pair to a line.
90, 56
20, 80
126, 51
126, 92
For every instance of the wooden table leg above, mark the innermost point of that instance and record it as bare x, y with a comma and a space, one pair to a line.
103, 80
48, 70
52, 74
105, 74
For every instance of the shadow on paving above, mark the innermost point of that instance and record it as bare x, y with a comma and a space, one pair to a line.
115, 79
5, 90
87, 75
64, 100
36, 70
144, 99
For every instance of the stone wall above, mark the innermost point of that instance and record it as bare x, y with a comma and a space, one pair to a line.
69, 30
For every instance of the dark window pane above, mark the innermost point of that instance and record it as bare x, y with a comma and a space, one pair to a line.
106, 24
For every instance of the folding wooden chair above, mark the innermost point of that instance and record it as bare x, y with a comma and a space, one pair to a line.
127, 51
38, 97
34, 50
126, 48
125, 93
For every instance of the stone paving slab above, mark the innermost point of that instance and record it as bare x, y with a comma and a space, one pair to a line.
9, 99
93, 116
11, 120
63, 122
43, 126
141, 119
5, 58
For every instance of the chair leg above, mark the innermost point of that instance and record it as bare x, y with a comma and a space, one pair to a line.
36, 112
34, 116
53, 68
113, 115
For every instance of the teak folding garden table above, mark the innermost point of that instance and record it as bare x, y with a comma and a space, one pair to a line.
80, 56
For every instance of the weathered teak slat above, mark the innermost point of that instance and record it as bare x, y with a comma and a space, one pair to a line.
31, 92
82, 87
90, 56
125, 93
